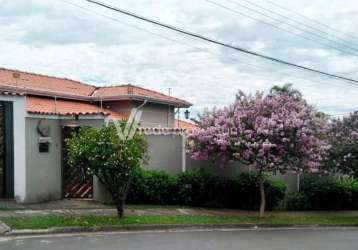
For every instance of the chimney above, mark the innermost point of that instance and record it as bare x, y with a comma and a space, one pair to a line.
130, 89
16, 75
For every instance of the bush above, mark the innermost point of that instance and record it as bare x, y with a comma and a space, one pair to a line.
198, 188
152, 187
193, 187
244, 192
296, 201
325, 193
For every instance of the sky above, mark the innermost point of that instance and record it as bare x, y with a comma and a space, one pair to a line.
78, 40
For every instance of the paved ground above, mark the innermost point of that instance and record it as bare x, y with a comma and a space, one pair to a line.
65, 204
293, 239
10, 208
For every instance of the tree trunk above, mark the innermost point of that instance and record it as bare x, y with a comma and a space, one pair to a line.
263, 197
120, 207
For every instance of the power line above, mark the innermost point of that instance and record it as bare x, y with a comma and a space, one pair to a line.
341, 114
343, 41
211, 40
162, 36
87, 10
312, 20
277, 26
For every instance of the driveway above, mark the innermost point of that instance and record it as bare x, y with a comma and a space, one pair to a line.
280, 239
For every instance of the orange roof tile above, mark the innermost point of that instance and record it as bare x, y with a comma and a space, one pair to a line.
24, 81
188, 126
135, 91
50, 106
43, 85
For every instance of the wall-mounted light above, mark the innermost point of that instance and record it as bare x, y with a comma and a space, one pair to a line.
187, 114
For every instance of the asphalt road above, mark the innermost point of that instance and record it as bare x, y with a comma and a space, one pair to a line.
292, 239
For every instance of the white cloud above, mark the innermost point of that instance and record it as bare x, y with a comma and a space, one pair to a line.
55, 38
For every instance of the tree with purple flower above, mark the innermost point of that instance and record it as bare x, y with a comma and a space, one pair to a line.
343, 156
272, 133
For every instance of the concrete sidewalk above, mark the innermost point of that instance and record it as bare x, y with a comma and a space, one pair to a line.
63, 204
89, 207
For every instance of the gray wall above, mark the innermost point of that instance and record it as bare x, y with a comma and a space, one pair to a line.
226, 170
85, 122
165, 152
43, 170
235, 168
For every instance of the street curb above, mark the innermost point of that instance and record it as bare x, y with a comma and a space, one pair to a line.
133, 228
4, 229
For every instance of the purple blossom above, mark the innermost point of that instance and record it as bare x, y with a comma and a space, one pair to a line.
276, 133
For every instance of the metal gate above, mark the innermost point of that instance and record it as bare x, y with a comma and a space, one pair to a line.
76, 184
2, 151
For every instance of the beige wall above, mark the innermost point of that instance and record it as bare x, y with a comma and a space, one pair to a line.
154, 114
123, 107
157, 115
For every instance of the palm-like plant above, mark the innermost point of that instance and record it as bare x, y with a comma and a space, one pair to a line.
286, 89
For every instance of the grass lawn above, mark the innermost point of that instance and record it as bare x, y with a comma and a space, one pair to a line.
144, 206
9, 209
63, 221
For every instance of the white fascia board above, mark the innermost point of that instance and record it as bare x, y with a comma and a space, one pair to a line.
65, 117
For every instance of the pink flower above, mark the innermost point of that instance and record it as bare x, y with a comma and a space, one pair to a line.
273, 132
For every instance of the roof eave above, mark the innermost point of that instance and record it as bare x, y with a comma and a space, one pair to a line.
66, 113
178, 104
25, 91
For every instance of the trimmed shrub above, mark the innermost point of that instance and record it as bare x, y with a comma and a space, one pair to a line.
296, 201
152, 187
325, 193
244, 192
193, 187
199, 188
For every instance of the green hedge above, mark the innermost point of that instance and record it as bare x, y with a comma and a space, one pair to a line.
198, 188
324, 193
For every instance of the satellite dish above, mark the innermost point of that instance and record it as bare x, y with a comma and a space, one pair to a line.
43, 128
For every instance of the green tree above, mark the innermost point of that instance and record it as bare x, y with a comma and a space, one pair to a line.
113, 159
286, 89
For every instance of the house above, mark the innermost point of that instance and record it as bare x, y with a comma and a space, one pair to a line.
37, 113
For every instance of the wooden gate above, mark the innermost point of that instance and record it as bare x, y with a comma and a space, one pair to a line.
76, 184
